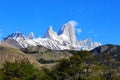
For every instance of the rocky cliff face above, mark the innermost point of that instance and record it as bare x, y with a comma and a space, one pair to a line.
66, 33
68, 30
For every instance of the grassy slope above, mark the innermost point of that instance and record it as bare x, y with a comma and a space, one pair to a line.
11, 55
41, 52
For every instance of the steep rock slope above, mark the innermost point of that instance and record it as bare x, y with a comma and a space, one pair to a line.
68, 30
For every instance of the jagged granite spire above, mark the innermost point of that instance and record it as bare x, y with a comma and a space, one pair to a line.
31, 35
68, 30
50, 33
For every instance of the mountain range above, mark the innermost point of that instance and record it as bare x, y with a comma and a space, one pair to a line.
58, 51
65, 39
102, 61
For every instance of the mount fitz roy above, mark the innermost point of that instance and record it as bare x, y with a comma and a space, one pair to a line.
65, 39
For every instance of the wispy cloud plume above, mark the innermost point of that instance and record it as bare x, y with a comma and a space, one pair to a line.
79, 30
73, 23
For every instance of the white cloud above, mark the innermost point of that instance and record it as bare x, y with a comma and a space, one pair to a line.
73, 23
79, 30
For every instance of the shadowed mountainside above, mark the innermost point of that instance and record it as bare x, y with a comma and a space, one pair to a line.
12, 55
40, 52
112, 50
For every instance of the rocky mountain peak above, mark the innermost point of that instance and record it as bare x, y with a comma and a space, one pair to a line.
15, 36
50, 33
31, 35
68, 30
50, 28
64, 40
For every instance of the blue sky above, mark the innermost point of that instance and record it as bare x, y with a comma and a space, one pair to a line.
97, 19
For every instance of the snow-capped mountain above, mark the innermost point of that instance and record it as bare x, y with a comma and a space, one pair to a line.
64, 40
16, 36
65, 34
87, 44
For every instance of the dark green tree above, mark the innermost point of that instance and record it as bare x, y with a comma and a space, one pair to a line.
68, 69
22, 71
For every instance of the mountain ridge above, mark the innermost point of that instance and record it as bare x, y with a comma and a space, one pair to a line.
65, 39
108, 48
8, 54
